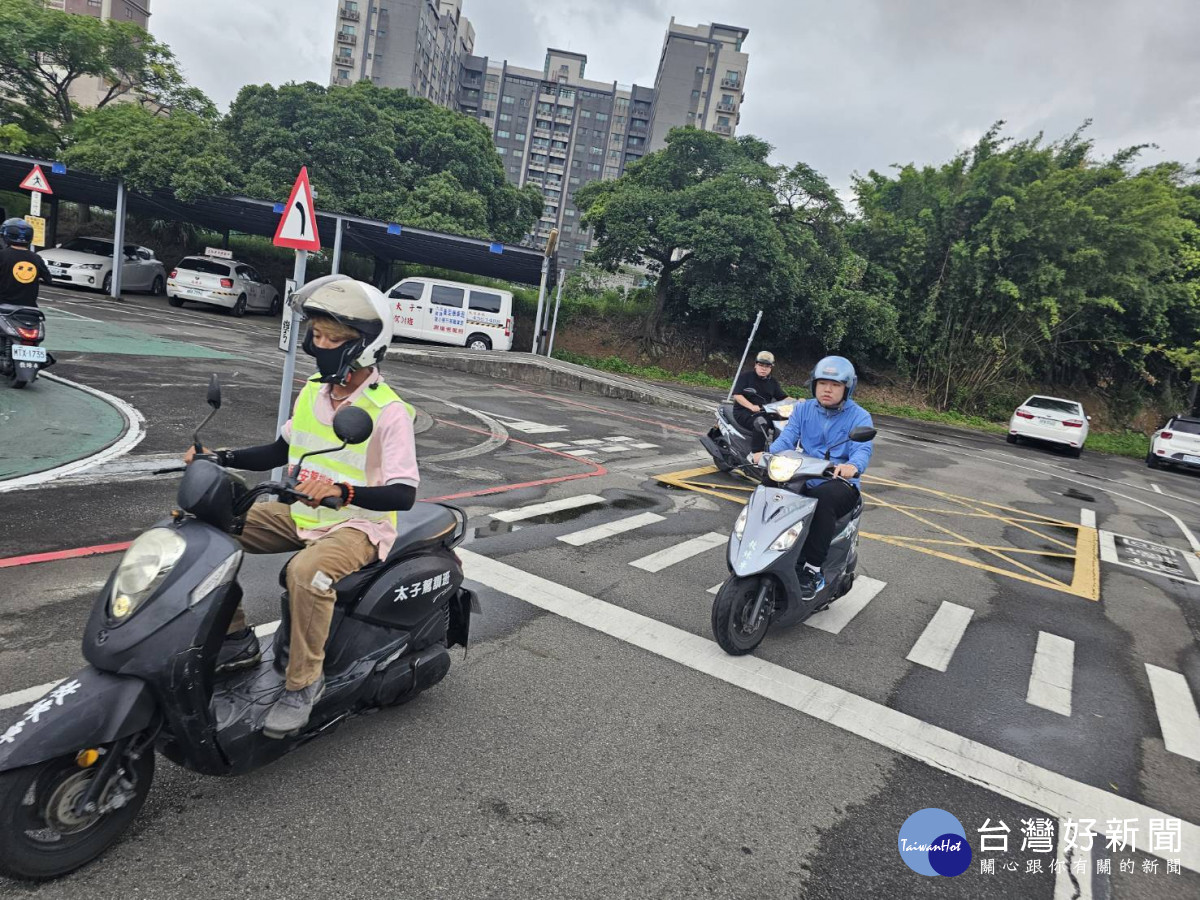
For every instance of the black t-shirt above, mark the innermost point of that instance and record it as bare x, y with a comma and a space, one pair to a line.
20, 270
768, 388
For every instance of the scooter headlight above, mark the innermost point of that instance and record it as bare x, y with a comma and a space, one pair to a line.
781, 468
787, 540
739, 527
785, 411
143, 568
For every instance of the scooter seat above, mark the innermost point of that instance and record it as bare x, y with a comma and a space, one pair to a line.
416, 528
727, 409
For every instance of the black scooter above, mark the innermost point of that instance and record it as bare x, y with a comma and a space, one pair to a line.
77, 766
729, 443
22, 330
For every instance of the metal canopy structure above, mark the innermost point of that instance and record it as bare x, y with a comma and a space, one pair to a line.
388, 241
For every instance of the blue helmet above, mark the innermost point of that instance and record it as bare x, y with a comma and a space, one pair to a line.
16, 231
834, 368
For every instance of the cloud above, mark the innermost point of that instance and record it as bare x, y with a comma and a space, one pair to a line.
845, 85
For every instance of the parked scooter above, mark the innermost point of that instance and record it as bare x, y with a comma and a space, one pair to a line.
729, 444
763, 588
76, 768
22, 330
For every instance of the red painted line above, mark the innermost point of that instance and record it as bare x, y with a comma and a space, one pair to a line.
100, 549
55, 555
607, 412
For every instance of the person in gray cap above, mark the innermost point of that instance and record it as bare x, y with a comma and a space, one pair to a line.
766, 390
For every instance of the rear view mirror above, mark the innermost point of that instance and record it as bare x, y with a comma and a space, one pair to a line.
862, 434
214, 392
353, 425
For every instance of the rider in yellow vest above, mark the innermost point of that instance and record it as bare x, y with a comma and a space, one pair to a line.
350, 329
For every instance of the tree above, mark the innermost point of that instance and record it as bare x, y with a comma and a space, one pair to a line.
46, 54
181, 152
702, 203
379, 153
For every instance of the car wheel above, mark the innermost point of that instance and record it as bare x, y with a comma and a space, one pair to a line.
175, 301
1152, 460
239, 308
1011, 438
107, 285
1076, 452
276, 306
479, 342
157, 288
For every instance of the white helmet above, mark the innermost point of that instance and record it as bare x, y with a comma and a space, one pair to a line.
355, 304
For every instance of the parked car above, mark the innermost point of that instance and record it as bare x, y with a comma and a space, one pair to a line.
450, 312
1050, 419
88, 262
222, 281
1177, 443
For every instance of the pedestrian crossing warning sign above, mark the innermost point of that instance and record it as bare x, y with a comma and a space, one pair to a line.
36, 181
298, 225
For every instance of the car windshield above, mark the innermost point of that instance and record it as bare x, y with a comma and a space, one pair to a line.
1062, 406
1184, 426
89, 245
205, 266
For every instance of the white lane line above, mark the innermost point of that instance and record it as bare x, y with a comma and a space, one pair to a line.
609, 529
550, 506
135, 430
1177, 716
656, 562
1157, 489
1052, 674
1073, 878
20, 698
838, 616
897, 732
937, 642
1087, 518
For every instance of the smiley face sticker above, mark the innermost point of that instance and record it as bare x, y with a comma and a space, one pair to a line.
25, 272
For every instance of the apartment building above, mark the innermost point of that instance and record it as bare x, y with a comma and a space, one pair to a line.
137, 11
412, 44
553, 127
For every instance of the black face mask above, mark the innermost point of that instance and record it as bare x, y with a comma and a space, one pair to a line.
334, 365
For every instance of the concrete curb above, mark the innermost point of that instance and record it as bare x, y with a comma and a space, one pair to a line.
525, 368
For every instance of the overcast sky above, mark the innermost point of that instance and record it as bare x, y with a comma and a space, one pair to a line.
845, 85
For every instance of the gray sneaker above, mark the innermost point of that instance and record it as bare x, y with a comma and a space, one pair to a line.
291, 711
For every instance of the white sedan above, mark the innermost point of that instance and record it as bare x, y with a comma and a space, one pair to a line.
1176, 444
1050, 419
222, 282
88, 262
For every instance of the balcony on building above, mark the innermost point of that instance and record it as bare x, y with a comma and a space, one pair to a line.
728, 107
347, 13
723, 129
638, 126
347, 38
731, 83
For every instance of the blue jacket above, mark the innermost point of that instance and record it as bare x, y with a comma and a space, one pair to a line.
815, 429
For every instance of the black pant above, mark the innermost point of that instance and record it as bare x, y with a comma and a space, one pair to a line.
834, 499
745, 418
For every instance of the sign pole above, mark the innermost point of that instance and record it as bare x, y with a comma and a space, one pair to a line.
118, 242
291, 325
537, 319
557, 303
745, 353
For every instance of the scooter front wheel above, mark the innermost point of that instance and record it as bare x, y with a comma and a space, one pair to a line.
41, 833
733, 622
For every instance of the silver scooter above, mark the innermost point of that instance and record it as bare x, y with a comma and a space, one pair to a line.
729, 444
763, 588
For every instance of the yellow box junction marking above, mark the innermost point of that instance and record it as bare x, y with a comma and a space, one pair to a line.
1085, 551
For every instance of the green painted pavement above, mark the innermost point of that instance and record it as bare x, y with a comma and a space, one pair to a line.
49, 424
70, 333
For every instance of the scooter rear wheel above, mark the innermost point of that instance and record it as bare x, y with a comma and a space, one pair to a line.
731, 612
41, 837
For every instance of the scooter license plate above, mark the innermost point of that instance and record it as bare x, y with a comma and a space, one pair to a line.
28, 354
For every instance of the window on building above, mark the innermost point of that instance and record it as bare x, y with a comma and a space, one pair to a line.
576, 163
504, 117
614, 154
593, 167
732, 76
487, 113
541, 143
611, 171
542, 123
348, 29
582, 245
521, 136
538, 158
723, 120
489, 95
699, 70
585, 114
507, 100
635, 141
601, 117
695, 96
545, 109
502, 150
570, 213
343, 74
727, 99
493, 79
575, 179
503, 134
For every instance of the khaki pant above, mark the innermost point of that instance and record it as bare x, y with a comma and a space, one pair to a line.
310, 576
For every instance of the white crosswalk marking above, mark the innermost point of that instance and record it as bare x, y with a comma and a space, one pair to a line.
839, 615
656, 562
936, 645
551, 506
587, 452
1177, 715
587, 442
553, 445
1052, 674
529, 427
608, 529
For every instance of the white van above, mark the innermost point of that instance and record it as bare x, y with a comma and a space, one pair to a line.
450, 312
